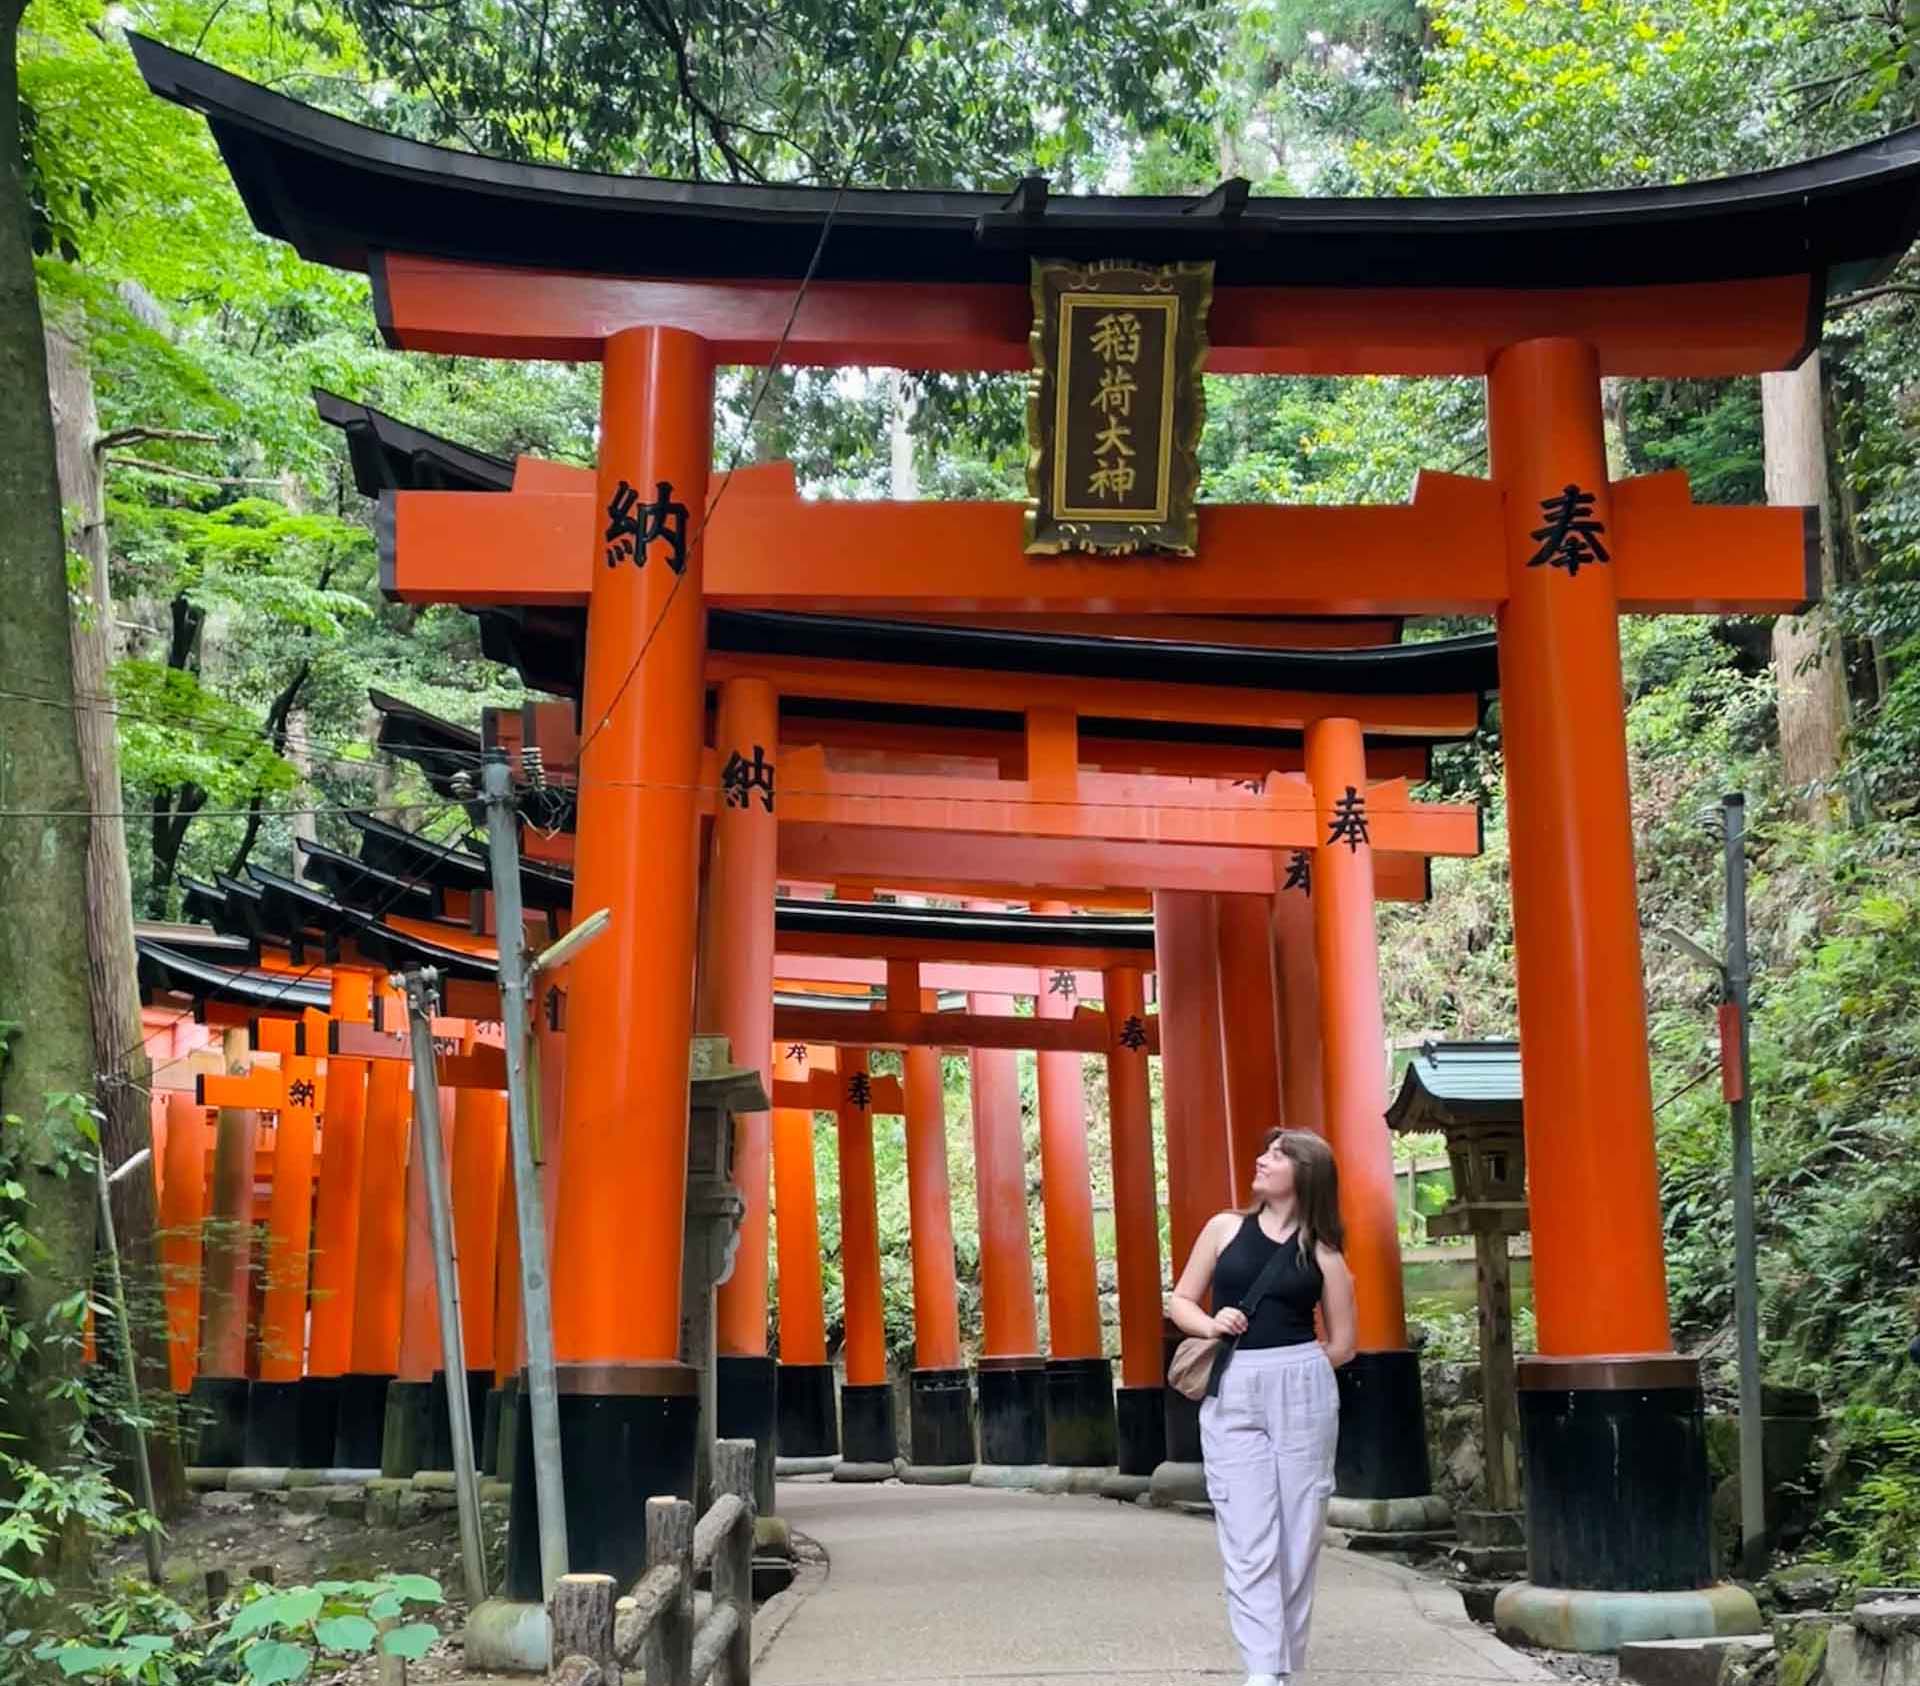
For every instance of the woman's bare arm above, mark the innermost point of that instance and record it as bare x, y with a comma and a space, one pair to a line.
1336, 1306
1186, 1306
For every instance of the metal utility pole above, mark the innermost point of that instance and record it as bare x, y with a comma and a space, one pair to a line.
536, 1295
142, 1467
422, 987
1746, 1270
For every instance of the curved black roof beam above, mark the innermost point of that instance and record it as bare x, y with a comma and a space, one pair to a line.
341, 194
388, 455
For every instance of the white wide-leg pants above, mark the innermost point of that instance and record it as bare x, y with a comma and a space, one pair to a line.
1268, 1439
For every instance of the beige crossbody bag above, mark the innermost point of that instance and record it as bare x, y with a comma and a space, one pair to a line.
1201, 1360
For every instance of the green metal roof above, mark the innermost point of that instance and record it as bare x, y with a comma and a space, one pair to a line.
1459, 1082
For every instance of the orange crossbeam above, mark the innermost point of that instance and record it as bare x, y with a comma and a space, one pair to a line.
1219, 705
1697, 329
482, 1067
824, 1090
1441, 553
1084, 1033
992, 867
1115, 807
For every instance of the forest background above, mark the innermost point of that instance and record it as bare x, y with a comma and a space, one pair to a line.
227, 573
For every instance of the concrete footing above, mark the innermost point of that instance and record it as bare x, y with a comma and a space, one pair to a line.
790, 1469
936, 1475
503, 1634
855, 1469
1689, 1662
1423, 1513
1038, 1478
1128, 1489
1178, 1483
1565, 1619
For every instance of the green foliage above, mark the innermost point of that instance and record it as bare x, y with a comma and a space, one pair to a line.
1873, 1533
268, 1637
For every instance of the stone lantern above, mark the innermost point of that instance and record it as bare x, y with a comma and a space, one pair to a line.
1470, 1091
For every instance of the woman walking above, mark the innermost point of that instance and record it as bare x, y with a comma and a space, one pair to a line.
1268, 1434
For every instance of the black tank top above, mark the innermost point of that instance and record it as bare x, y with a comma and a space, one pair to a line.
1285, 1316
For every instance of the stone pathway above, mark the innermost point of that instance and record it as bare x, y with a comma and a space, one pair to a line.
948, 1586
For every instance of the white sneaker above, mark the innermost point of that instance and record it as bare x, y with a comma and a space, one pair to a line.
1263, 1680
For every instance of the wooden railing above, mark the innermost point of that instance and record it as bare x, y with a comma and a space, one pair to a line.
595, 1636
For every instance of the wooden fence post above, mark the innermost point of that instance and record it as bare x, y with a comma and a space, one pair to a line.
733, 1466
582, 1621
668, 1651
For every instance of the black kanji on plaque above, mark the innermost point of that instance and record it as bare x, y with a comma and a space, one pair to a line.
1133, 1033
740, 778
797, 1052
550, 1004
1571, 536
299, 1092
1349, 821
1062, 983
860, 1090
1300, 872
1257, 786
632, 526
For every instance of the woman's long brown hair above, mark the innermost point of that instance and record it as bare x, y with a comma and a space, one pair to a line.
1316, 1189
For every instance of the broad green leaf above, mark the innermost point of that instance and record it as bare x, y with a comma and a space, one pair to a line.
410, 1641
300, 1605
417, 1589
274, 1662
257, 1615
344, 1633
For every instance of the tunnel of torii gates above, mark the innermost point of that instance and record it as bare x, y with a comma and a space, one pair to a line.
662, 282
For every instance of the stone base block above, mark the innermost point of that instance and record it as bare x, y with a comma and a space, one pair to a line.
629, 1439
850, 1469
273, 1424
257, 1478
1411, 1545
936, 1475
1578, 1620
798, 1469
1618, 1494
808, 1426
1140, 1423
1178, 1483
1128, 1489
1021, 1478
219, 1407
360, 1424
507, 1636
940, 1405
1490, 1563
1013, 1410
1492, 1528
318, 1424
1423, 1513
1081, 1432
747, 1407
407, 1431
867, 1434
1382, 1453
1688, 1662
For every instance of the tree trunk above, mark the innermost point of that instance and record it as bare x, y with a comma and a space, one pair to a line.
1809, 673
113, 965
43, 849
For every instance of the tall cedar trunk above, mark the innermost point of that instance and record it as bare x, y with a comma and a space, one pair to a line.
1809, 672
43, 839
113, 965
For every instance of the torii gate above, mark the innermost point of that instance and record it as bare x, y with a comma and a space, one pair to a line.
479, 257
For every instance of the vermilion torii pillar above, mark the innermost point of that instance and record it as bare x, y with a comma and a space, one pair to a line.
1380, 1463
183, 1212
868, 1443
809, 1426
219, 1395
1010, 1374
629, 1409
736, 1001
379, 1269
1297, 985
1250, 1030
1140, 1403
336, 1236
941, 1397
1080, 1423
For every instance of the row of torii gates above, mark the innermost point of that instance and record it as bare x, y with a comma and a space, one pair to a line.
899, 697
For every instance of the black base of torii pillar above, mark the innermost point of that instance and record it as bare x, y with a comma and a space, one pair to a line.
618, 1450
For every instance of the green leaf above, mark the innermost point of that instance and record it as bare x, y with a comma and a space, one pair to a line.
257, 1615
417, 1589
299, 1605
274, 1662
83, 1659
410, 1642
344, 1633
385, 1607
